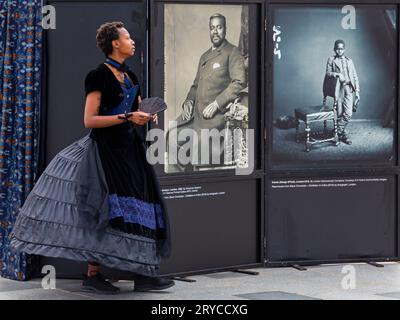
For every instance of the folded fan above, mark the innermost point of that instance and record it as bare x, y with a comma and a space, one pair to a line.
152, 105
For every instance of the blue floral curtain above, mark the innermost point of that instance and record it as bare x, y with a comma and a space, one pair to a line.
20, 58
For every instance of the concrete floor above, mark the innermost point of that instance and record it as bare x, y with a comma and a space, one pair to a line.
363, 282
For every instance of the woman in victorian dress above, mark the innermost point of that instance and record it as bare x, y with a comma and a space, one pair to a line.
98, 200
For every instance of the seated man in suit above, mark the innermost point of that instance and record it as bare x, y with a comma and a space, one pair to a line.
220, 78
343, 68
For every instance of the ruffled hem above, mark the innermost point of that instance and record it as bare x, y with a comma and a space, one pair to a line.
81, 255
66, 215
108, 246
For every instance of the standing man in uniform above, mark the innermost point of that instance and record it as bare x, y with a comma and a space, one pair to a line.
219, 79
342, 67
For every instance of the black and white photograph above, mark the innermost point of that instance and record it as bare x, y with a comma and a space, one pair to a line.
199, 150
206, 86
334, 85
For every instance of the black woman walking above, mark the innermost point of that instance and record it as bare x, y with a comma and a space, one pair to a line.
99, 200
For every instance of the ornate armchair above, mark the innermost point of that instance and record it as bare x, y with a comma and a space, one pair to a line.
236, 124
321, 113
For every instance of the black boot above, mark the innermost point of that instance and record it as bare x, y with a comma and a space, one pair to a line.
145, 283
98, 284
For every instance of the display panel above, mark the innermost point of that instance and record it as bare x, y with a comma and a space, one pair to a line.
331, 218
347, 54
214, 225
206, 61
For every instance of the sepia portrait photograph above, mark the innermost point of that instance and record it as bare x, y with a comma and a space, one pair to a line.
205, 86
334, 85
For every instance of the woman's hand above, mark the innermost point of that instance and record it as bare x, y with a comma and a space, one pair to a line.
140, 117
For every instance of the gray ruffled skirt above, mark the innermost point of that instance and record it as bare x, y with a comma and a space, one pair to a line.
66, 215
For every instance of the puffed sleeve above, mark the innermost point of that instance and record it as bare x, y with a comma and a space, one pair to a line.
94, 81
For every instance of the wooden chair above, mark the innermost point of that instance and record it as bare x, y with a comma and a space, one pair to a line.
237, 118
320, 113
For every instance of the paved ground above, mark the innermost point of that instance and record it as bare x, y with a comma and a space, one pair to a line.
319, 282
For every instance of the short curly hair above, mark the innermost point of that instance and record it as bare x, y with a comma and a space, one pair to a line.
337, 42
106, 33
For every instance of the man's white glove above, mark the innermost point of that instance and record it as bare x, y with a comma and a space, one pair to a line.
210, 110
187, 109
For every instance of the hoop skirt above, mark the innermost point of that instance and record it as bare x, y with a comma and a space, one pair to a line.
98, 200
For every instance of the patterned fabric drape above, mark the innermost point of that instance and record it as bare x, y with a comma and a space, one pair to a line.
20, 58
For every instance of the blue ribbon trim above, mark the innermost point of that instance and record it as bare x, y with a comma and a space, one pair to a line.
136, 211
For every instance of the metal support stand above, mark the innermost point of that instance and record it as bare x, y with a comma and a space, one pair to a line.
183, 279
251, 273
298, 267
375, 264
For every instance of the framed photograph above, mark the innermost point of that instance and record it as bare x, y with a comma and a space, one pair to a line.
334, 85
206, 59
